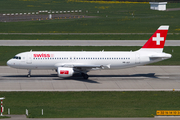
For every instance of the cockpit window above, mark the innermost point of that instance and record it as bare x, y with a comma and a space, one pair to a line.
17, 57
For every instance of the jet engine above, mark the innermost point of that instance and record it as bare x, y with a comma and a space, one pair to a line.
65, 72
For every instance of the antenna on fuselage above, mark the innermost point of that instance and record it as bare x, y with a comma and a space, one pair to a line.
30, 50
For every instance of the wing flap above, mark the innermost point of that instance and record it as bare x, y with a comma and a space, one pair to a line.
76, 65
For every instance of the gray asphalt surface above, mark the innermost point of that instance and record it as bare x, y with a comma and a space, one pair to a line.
81, 42
172, 9
141, 78
83, 33
23, 117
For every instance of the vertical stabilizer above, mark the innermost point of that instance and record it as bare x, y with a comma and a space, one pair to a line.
157, 40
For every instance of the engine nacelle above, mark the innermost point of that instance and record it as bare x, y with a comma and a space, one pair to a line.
65, 72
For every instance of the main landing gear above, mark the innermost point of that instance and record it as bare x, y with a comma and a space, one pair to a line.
85, 76
29, 74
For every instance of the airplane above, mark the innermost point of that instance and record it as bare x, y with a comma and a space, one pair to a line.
68, 63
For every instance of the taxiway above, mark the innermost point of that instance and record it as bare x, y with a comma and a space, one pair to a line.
23, 117
141, 78
81, 42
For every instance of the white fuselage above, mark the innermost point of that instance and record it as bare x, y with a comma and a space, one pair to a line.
55, 59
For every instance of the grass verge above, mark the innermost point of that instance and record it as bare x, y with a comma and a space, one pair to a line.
2, 117
112, 18
90, 104
8, 52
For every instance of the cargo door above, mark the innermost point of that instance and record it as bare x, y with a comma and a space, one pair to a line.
137, 60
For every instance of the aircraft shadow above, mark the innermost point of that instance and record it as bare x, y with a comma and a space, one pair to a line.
32, 76
78, 77
150, 75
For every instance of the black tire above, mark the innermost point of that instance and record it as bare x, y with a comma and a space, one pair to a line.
29, 76
85, 76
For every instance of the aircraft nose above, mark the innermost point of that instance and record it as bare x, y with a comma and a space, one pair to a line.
9, 63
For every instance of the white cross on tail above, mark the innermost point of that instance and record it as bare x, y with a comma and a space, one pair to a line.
158, 39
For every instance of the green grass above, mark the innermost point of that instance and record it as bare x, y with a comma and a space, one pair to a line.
90, 104
2, 117
8, 52
119, 20
82, 37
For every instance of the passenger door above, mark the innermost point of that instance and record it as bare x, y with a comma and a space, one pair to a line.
29, 58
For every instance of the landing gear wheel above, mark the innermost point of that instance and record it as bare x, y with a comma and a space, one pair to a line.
85, 76
29, 74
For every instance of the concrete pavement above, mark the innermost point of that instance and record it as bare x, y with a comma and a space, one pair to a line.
23, 117
81, 42
141, 78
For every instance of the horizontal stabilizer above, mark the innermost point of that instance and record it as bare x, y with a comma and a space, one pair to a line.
161, 55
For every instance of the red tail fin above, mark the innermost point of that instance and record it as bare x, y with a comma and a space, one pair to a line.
157, 40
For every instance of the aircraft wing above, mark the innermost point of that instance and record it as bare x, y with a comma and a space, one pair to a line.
87, 66
83, 67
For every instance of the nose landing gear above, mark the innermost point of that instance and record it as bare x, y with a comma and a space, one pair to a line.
29, 74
